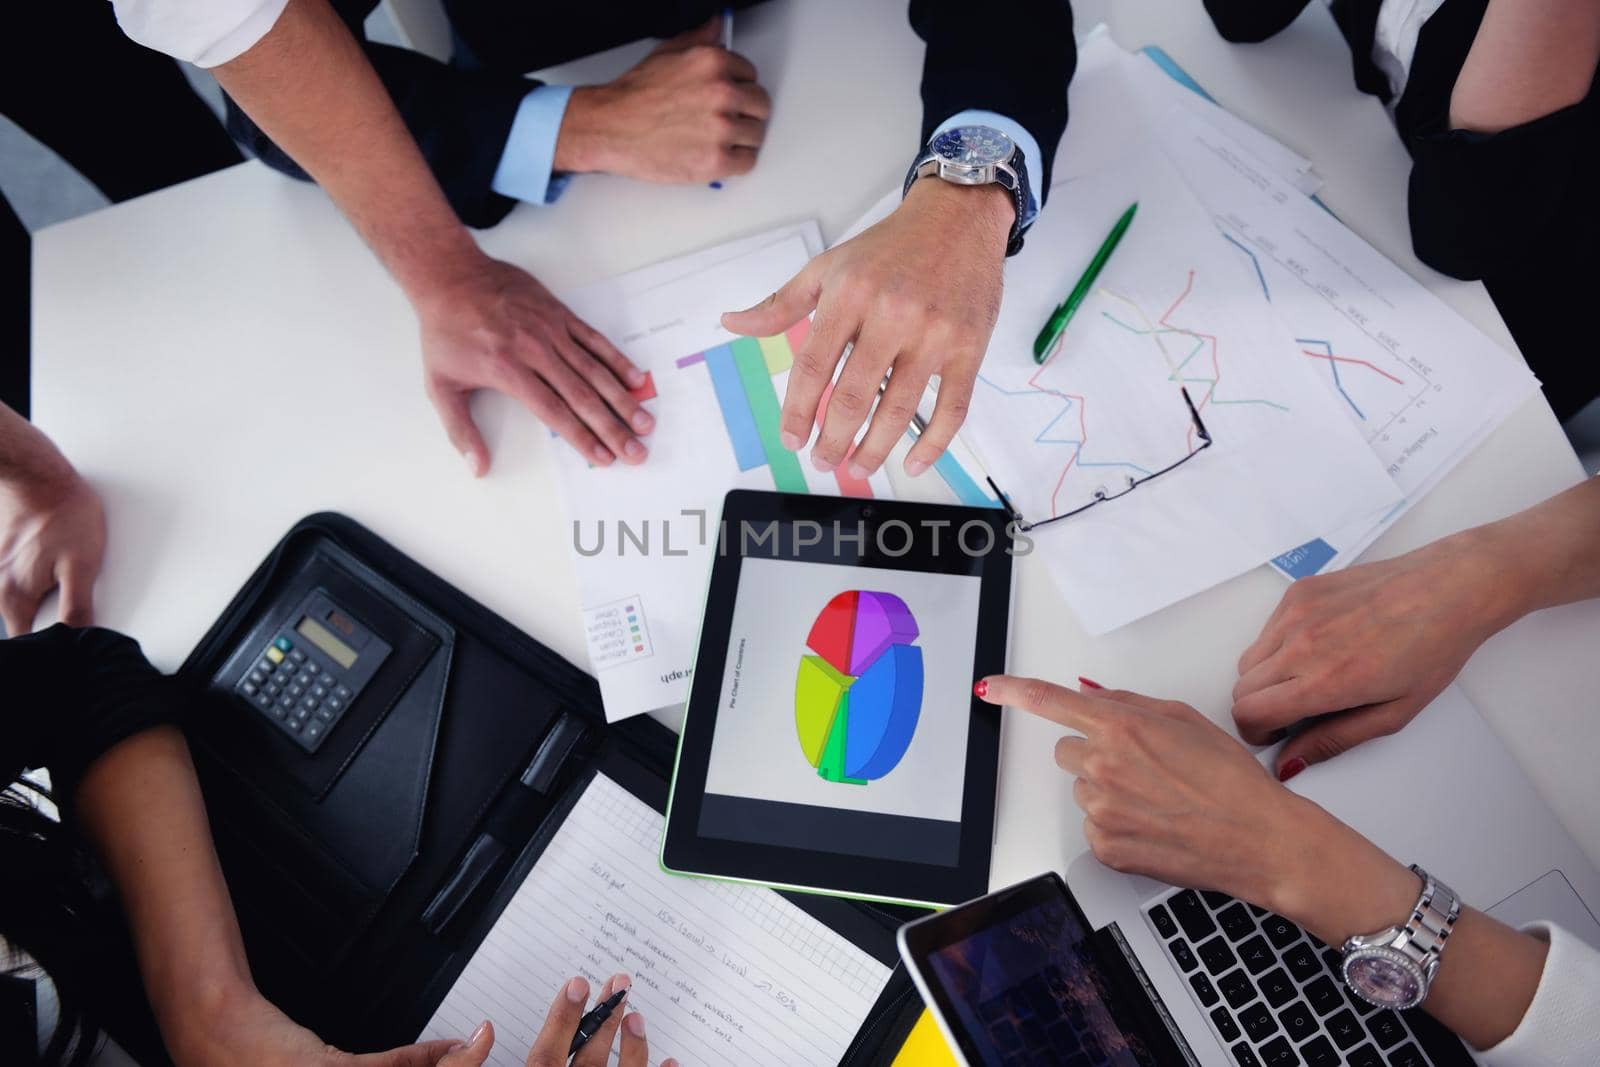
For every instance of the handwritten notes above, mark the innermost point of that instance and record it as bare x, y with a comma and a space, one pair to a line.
724, 974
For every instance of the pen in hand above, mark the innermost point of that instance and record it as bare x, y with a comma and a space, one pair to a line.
591, 1022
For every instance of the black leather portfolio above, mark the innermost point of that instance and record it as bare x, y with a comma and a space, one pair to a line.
384, 759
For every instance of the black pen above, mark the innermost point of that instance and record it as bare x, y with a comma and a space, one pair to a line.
591, 1022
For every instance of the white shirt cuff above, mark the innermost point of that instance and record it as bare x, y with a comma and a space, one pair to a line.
1020, 137
526, 162
207, 35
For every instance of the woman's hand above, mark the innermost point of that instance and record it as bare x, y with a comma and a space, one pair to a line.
1372, 645
1164, 792
1167, 794
249, 1029
550, 1047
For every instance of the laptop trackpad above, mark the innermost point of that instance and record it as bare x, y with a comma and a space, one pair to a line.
1550, 899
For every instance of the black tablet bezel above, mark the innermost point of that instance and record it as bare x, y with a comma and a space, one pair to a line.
937, 544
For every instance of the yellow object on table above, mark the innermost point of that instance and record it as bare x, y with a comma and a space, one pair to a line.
925, 1046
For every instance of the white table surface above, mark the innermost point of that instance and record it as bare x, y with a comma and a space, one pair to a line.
224, 357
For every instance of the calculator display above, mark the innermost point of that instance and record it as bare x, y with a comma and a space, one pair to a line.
320, 636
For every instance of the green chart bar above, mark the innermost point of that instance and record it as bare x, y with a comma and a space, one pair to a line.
757, 380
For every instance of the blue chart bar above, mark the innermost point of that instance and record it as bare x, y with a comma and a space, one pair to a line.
736, 413
961, 483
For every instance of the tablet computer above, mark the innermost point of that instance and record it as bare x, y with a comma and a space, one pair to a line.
1019, 976
832, 742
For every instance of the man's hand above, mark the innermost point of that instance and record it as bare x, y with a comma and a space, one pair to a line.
918, 292
689, 112
52, 530
493, 326
1373, 645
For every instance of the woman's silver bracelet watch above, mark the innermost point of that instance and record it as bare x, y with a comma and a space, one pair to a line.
1394, 967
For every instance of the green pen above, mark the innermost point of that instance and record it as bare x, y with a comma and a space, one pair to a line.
1063, 314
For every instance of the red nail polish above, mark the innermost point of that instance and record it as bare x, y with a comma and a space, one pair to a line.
980, 688
1291, 768
1089, 682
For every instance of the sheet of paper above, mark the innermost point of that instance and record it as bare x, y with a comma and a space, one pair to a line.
643, 536
1117, 101
725, 975
1175, 306
1421, 384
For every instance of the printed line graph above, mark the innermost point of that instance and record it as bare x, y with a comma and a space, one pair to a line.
1066, 422
1254, 262
1069, 402
1202, 341
1327, 353
1335, 329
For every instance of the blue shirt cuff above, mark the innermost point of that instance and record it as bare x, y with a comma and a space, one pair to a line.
1025, 142
525, 166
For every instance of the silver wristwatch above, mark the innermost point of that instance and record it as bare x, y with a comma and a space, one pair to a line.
1393, 968
980, 155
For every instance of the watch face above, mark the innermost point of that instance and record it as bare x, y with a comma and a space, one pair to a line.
973, 146
1384, 978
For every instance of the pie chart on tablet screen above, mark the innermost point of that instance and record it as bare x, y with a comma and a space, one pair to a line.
858, 692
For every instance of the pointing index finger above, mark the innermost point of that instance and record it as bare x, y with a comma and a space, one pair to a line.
1057, 703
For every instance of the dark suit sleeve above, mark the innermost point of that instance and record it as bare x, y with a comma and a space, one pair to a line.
1013, 57
1252, 21
460, 119
71, 694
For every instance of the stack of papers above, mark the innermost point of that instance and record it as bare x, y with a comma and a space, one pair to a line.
1176, 313
1337, 388
1421, 384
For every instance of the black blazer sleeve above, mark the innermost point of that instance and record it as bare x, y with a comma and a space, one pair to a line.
1014, 57
460, 119
70, 695
1485, 205
1482, 204
1252, 21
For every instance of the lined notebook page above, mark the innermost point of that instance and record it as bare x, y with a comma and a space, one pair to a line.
724, 974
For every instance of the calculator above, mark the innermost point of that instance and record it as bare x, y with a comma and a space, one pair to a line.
312, 667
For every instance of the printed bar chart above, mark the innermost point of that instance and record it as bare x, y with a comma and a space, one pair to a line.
767, 409
738, 414
743, 375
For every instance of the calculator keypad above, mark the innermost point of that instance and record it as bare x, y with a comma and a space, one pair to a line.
303, 697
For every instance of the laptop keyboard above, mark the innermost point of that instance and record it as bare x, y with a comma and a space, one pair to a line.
1275, 995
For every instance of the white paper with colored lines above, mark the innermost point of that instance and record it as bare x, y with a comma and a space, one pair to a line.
1175, 307
726, 975
642, 536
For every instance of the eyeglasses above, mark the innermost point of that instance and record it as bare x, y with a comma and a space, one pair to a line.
1103, 494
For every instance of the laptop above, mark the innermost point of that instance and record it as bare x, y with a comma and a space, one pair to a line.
1248, 988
